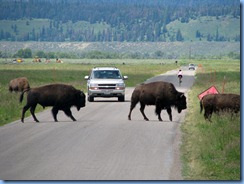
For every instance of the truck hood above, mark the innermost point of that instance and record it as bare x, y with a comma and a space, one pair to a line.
106, 81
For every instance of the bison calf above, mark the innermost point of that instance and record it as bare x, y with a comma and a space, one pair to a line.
219, 102
60, 96
161, 94
19, 84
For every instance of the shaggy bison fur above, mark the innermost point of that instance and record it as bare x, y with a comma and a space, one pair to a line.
19, 84
161, 94
60, 96
219, 102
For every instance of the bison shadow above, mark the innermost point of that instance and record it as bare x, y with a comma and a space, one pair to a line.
99, 101
153, 121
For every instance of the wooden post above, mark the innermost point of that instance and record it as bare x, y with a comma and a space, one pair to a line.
223, 86
54, 74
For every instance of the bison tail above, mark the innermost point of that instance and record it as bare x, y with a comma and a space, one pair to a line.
201, 106
22, 95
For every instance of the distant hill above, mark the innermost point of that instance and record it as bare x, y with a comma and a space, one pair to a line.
207, 28
120, 20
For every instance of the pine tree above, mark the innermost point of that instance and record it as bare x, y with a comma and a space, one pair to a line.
179, 36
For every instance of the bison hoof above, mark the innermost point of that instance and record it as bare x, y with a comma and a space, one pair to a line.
146, 119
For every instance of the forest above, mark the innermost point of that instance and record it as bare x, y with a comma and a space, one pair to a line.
110, 20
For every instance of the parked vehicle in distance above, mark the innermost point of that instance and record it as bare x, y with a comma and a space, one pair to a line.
105, 82
191, 67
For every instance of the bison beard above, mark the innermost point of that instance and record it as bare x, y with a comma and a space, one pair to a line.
60, 96
161, 94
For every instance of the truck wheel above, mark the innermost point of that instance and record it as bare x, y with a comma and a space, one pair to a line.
121, 98
90, 99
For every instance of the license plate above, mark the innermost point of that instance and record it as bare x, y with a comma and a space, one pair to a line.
106, 92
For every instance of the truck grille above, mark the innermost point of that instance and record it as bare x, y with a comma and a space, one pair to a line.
106, 86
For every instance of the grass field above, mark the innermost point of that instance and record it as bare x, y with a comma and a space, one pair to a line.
209, 151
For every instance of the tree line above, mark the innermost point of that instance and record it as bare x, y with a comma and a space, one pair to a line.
126, 20
28, 53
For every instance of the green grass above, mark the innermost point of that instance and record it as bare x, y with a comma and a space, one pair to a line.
71, 72
211, 151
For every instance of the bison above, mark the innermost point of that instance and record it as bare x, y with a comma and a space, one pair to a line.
219, 102
60, 96
161, 94
19, 84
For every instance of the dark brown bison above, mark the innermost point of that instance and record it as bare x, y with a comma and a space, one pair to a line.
161, 94
19, 84
60, 96
219, 102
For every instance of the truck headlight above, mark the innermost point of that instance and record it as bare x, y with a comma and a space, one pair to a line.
93, 86
120, 86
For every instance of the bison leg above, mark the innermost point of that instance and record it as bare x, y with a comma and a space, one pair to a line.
208, 114
55, 112
69, 114
169, 111
158, 109
25, 108
132, 106
10, 89
158, 112
32, 110
142, 111
159, 117
129, 116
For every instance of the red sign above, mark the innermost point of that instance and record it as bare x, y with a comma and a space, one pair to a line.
211, 90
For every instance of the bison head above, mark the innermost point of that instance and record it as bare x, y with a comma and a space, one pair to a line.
80, 100
180, 102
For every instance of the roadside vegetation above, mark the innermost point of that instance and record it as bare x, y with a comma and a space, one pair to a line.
211, 151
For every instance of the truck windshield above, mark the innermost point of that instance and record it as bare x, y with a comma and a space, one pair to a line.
106, 74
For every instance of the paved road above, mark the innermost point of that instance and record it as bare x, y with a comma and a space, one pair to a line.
101, 145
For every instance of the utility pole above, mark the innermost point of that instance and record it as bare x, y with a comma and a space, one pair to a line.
190, 53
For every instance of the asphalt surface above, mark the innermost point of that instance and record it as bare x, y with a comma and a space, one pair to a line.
102, 145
